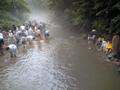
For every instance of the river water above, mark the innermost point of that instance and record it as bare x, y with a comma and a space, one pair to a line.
63, 62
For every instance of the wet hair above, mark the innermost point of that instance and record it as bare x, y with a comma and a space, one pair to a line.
7, 48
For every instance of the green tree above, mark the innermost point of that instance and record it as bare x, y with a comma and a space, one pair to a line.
12, 12
104, 15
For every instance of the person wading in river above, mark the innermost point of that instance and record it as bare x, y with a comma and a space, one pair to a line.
24, 42
1, 43
12, 49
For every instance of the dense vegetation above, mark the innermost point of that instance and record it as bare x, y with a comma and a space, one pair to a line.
103, 15
12, 12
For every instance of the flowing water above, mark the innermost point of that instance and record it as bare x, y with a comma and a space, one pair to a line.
63, 62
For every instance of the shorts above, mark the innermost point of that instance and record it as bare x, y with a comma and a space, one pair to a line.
1, 41
47, 35
24, 42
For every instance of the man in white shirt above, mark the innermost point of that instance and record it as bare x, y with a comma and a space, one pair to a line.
22, 27
11, 38
12, 48
103, 46
1, 36
30, 32
1, 43
30, 39
47, 34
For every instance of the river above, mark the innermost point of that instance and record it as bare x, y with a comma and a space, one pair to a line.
63, 62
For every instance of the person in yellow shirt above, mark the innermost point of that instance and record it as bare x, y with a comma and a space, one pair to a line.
108, 47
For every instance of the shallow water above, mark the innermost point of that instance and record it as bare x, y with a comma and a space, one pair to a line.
64, 62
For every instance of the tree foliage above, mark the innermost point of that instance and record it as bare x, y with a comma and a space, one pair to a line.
104, 15
12, 11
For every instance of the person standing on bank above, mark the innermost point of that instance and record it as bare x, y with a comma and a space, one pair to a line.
115, 43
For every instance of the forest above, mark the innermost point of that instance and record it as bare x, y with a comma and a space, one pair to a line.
12, 12
102, 15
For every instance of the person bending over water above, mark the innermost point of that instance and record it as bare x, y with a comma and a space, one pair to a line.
12, 48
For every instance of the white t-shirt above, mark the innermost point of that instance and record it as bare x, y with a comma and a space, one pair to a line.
38, 31
22, 27
26, 32
35, 28
46, 32
10, 34
93, 37
30, 32
30, 37
89, 38
12, 46
103, 44
1, 36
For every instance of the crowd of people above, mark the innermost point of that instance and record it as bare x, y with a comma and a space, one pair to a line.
110, 47
21, 36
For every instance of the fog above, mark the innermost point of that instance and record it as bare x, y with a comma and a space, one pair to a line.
39, 11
